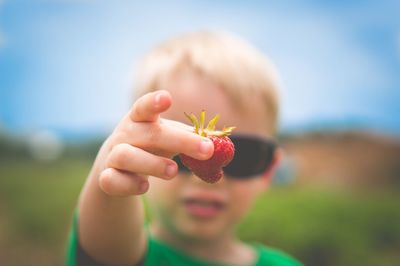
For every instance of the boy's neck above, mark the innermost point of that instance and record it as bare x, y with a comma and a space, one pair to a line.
224, 249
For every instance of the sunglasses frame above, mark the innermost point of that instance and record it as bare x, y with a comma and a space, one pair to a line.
268, 142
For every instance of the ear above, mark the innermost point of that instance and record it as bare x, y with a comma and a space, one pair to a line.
270, 171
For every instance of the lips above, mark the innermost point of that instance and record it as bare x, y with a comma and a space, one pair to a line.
204, 205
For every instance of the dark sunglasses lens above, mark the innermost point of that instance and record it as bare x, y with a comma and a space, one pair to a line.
252, 157
181, 167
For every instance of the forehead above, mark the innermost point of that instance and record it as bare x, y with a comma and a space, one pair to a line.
192, 93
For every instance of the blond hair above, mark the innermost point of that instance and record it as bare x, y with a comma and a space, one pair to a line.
233, 64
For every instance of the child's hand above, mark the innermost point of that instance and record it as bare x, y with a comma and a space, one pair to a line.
142, 145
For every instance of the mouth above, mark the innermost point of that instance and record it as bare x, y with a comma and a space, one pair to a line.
204, 207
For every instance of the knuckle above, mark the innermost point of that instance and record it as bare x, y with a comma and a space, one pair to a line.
138, 108
105, 180
130, 189
137, 111
154, 133
119, 136
120, 155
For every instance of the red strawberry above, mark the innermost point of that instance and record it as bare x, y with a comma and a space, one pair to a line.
210, 170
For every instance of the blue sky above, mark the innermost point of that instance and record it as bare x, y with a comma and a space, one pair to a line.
66, 65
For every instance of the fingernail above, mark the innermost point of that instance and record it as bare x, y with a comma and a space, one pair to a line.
171, 170
143, 186
157, 99
205, 145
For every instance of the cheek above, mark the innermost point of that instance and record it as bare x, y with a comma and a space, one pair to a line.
164, 201
160, 192
243, 196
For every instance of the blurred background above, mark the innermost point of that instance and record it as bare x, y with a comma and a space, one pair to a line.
65, 80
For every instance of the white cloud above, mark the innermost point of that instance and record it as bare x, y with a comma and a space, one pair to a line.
326, 72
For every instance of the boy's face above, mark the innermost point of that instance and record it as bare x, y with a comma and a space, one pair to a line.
186, 205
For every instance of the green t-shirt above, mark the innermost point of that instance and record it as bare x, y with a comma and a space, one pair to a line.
160, 254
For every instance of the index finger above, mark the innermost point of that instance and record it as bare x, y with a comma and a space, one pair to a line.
148, 107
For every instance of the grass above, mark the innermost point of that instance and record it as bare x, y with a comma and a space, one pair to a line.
37, 200
327, 227
317, 225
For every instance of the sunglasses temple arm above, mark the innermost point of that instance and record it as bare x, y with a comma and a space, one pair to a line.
273, 166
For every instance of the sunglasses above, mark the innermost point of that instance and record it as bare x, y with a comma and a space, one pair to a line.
253, 156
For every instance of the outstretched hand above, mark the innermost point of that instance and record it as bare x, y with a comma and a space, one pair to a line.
142, 145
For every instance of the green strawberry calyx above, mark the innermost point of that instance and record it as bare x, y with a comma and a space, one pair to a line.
210, 129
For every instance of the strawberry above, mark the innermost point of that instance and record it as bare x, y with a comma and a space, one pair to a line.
210, 170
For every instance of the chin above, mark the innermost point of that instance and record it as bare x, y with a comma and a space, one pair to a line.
201, 230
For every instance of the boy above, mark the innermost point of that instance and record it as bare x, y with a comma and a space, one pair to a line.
194, 222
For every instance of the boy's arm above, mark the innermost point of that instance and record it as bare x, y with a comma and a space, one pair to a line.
111, 215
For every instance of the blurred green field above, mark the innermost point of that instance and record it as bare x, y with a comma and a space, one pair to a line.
319, 226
